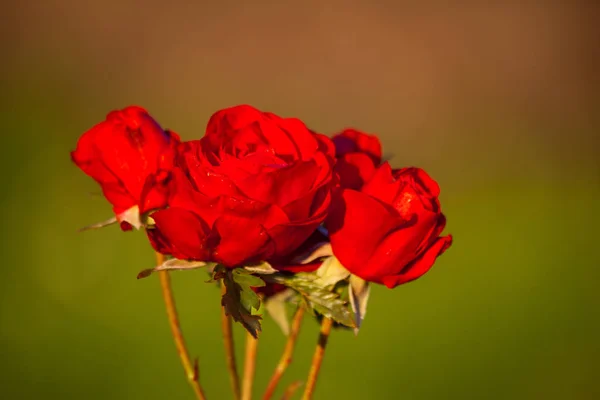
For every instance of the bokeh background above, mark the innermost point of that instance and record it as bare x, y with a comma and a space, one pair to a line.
499, 103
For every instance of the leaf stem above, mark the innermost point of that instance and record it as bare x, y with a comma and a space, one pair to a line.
317, 358
286, 357
249, 366
230, 349
191, 369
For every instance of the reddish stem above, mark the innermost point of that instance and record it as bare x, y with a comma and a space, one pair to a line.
230, 349
191, 369
317, 358
286, 357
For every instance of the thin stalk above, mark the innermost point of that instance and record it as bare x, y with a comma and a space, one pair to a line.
286, 357
317, 359
230, 349
290, 390
249, 366
191, 369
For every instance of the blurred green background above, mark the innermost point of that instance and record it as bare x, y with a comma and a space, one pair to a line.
499, 103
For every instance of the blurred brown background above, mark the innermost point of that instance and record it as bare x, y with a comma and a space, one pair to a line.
498, 102
406, 70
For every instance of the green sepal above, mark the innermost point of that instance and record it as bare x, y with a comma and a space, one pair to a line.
175, 264
317, 297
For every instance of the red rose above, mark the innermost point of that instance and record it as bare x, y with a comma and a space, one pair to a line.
121, 152
358, 155
389, 231
254, 188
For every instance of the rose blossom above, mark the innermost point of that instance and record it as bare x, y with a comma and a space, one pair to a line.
389, 231
120, 153
254, 188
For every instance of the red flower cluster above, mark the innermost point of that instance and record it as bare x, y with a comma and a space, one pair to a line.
255, 188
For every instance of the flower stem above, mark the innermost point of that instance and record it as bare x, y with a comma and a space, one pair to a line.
191, 369
317, 358
290, 390
230, 349
286, 357
249, 366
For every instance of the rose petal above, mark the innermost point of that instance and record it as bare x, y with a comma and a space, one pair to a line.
311, 267
180, 233
120, 152
382, 184
238, 126
354, 169
357, 223
421, 265
304, 140
88, 160
242, 240
326, 145
263, 214
355, 141
400, 246
420, 179
132, 146
156, 192
281, 186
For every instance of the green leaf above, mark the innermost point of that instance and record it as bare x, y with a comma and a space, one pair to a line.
239, 300
317, 297
249, 299
246, 278
174, 265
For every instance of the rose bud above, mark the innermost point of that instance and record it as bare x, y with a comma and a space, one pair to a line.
120, 153
389, 231
358, 154
254, 188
